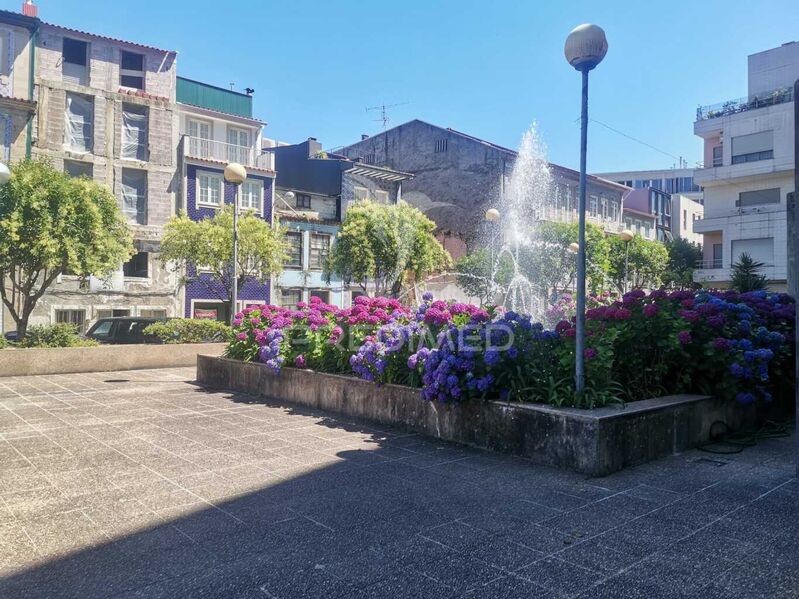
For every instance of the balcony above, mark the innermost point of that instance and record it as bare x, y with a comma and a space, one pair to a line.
712, 271
210, 150
772, 98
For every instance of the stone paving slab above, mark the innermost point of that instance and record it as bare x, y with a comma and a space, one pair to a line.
142, 484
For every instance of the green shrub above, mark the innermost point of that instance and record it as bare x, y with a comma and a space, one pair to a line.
190, 330
3, 341
55, 335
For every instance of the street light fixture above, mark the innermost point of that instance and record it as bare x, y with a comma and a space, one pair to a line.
574, 247
626, 236
235, 174
585, 48
5, 174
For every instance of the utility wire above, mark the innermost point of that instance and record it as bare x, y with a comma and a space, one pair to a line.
635, 139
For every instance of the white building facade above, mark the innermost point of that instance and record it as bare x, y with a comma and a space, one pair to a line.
749, 171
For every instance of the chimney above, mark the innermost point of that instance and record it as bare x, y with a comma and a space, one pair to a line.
29, 9
364, 136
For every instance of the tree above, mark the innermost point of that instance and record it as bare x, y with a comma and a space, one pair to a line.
746, 274
379, 243
51, 224
475, 276
646, 263
206, 246
683, 256
550, 264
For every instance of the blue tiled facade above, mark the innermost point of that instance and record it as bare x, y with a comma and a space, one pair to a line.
207, 289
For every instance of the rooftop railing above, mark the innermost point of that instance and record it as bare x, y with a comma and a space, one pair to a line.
210, 149
772, 98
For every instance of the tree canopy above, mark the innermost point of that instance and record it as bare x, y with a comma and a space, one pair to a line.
683, 256
475, 274
379, 243
647, 262
51, 224
206, 246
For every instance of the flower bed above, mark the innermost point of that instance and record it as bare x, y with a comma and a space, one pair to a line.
640, 346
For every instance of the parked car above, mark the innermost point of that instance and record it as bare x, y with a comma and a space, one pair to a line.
123, 329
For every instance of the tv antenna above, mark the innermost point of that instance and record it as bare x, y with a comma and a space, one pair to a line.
383, 108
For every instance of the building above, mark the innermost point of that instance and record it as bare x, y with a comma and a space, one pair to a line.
672, 181
686, 212
458, 176
748, 170
642, 210
104, 108
322, 185
216, 126
17, 90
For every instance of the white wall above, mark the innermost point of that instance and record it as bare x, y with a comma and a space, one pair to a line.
774, 68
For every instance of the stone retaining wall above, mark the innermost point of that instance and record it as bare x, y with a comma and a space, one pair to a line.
595, 442
105, 358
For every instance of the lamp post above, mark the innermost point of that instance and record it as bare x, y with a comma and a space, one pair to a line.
5, 176
626, 236
585, 48
235, 174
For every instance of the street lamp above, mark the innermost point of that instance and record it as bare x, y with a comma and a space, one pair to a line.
235, 174
5, 176
585, 48
626, 236
574, 247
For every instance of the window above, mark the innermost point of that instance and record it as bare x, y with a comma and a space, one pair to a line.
209, 189
628, 222
199, 133
441, 146
753, 147
592, 205
131, 72
79, 124
303, 200
251, 194
238, 149
76, 318
647, 229
381, 196
134, 195
718, 255
152, 313
289, 298
137, 266
113, 313
614, 210
603, 202
361, 193
134, 132
369, 158
103, 330
320, 248
75, 61
294, 239
6, 42
760, 250
759, 197
76, 168
718, 155
322, 294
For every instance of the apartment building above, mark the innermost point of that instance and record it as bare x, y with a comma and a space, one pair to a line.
458, 176
672, 181
17, 93
748, 170
314, 189
104, 109
216, 127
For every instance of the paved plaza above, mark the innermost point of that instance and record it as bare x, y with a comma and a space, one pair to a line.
142, 484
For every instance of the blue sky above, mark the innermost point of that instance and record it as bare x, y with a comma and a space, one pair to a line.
485, 68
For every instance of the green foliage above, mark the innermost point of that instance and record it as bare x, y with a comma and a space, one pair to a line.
380, 243
3, 342
51, 224
55, 335
647, 262
190, 330
474, 274
683, 256
549, 261
208, 243
746, 274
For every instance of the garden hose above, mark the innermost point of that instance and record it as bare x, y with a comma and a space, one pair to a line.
728, 441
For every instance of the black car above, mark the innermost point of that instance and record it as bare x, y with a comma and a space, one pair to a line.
125, 329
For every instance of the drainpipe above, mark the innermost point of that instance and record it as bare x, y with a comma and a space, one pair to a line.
31, 85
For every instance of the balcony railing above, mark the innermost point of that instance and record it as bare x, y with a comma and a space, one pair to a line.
708, 264
772, 98
219, 151
565, 215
